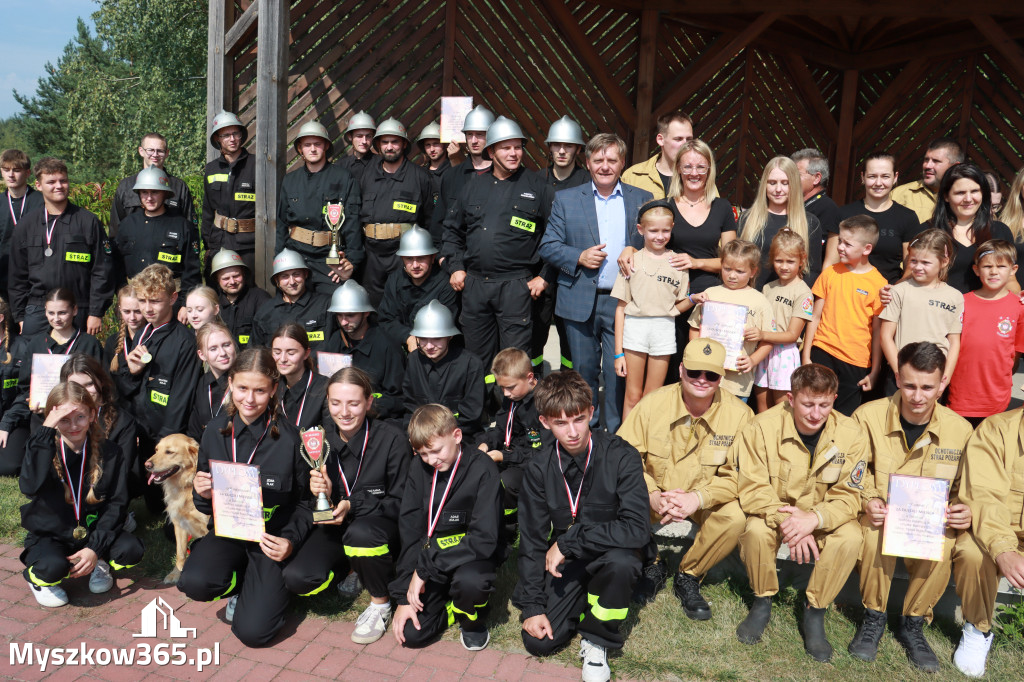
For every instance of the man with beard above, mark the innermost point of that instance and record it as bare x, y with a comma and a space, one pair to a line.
919, 196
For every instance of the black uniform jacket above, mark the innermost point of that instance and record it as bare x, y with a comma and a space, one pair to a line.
48, 514
310, 312
10, 377
613, 512
467, 530
229, 189
356, 165
377, 481
303, 203
168, 239
435, 179
405, 196
452, 182
383, 362
10, 214
301, 404
577, 177
528, 435
239, 316
455, 381
284, 475
126, 201
207, 403
160, 396
81, 261
402, 300
495, 226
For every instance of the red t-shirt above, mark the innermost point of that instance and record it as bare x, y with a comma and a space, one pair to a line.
993, 334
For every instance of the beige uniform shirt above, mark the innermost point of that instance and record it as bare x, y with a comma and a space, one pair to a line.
777, 470
683, 452
916, 197
788, 301
992, 482
936, 454
655, 287
925, 313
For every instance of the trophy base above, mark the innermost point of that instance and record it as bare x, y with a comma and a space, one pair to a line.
324, 515
333, 261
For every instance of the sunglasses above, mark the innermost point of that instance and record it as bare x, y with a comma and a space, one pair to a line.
695, 374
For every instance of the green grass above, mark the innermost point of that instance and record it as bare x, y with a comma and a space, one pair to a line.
662, 643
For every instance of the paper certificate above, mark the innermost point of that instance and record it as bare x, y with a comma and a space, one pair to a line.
724, 322
453, 115
329, 363
237, 501
45, 375
915, 524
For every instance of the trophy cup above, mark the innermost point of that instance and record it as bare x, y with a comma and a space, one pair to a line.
314, 450
335, 216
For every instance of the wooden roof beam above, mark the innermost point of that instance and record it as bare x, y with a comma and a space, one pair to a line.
816, 8
939, 46
1003, 42
242, 29
900, 86
809, 90
645, 83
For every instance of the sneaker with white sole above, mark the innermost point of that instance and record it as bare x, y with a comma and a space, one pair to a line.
972, 652
50, 596
351, 587
371, 625
474, 640
229, 610
595, 662
100, 580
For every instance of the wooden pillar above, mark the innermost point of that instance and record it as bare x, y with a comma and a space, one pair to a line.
741, 147
216, 66
451, 13
645, 84
844, 142
271, 112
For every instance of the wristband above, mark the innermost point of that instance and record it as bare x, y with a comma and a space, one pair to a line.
689, 297
620, 355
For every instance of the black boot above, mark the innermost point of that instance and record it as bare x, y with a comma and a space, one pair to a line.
752, 627
687, 588
910, 634
864, 644
815, 642
650, 582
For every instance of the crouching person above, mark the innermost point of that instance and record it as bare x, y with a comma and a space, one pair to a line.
251, 431
75, 480
449, 528
801, 467
582, 527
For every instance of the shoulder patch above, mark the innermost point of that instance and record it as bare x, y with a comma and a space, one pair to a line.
857, 475
807, 306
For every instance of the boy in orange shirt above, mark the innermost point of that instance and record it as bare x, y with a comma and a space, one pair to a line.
843, 335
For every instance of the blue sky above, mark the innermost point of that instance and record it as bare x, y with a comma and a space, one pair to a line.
34, 33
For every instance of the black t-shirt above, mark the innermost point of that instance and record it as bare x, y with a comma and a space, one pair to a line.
701, 241
666, 180
764, 242
811, 441
825, 209
911, 432
897, 225
961, 273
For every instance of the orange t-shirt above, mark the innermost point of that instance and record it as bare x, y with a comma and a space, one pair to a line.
851, 304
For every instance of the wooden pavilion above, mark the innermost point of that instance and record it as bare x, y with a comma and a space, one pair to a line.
760, 78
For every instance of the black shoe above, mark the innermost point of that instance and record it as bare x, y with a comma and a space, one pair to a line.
910, 634
650, 583
474, 640
687, 588
815, 642
752, 627
864, 644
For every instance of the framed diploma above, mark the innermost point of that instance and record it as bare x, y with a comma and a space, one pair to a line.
329, 363
453, 115
45, 375
237, 501
915, 524
724, 322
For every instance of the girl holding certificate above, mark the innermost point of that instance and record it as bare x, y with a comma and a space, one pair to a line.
75, 480
250, 431
363, 474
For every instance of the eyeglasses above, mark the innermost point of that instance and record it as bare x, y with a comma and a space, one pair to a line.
230, 136
698, 170
155, 152
695, 374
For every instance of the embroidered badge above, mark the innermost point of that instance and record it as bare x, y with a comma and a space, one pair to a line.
707, 349
1005, 327
808, 305
857, 475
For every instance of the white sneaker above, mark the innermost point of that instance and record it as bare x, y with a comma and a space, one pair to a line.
100, 580
595, 662
50, 596
229, 610
972, 652
371, 624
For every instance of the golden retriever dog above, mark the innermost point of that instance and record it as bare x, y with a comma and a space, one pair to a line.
173, 466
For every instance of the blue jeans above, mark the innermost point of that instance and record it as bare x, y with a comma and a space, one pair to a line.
592, 344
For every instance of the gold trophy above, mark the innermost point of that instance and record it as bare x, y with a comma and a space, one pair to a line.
334, 217
314, 450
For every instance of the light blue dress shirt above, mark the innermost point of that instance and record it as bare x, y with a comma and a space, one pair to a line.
611, 225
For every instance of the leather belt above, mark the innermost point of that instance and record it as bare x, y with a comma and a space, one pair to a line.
311, 237
234, 225
386, 230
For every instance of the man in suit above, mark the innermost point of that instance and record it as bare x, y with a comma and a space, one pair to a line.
588, 228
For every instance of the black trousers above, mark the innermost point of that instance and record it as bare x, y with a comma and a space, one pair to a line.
367, 545
543, 314
592, 596
850, 396
380, 262
511, 481
13, 453
496, 314
218, 568
46, 558
460, 598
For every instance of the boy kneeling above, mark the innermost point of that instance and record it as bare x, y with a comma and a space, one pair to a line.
583, 521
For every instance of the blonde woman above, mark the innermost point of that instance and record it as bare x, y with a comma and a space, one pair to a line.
202, 306
779, 203
1012, 215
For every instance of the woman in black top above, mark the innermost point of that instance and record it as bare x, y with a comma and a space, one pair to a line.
216, 348
302, 389
363, 477
13, 428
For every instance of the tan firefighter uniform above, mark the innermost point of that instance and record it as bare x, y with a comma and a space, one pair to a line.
776, 469
680, 452
936, 454
992, 485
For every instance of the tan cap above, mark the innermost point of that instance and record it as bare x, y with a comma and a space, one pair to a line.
705, 354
